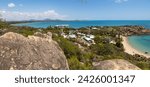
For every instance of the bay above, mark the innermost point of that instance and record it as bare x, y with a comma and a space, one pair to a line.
141, 43
78, 24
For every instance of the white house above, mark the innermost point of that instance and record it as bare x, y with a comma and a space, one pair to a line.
72, 36
94, 28
62, 26
91, 36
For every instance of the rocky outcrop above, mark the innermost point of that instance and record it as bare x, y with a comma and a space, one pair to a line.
133, 30
31, 53
115, 64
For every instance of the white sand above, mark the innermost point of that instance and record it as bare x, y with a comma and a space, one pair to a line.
130, 50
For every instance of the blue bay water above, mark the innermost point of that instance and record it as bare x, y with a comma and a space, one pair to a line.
78, 24
141, 43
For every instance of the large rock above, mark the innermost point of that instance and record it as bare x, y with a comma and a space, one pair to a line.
30, 53
115, 64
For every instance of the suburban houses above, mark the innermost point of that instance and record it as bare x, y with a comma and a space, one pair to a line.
86, 39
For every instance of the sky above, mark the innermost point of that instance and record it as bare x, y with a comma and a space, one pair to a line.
16, 10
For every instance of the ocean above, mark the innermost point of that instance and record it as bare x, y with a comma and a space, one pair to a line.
78, 24
141, 43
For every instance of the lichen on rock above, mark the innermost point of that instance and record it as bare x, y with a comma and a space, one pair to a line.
114, 64
31, 53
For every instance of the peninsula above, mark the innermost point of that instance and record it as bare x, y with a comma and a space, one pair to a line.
86, 48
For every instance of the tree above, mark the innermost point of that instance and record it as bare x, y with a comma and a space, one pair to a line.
3, 24
75, 64
119, 43
68, 47
103, 49
0, 17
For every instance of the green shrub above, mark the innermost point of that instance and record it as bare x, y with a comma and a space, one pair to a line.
75, 64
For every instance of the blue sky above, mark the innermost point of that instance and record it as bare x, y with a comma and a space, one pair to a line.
75, 9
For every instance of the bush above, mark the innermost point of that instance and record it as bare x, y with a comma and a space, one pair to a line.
3, 24
68, 47
75, 64
144, 65
103, 49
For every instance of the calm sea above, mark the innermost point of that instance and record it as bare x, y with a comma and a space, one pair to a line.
141, 43
78, 24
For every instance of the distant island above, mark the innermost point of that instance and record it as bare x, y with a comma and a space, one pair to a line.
34, 20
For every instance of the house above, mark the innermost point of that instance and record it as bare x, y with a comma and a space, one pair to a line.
73, 36
62, 26
65, 36
112, 42
91, 36
94, 28
89, 40
80, 34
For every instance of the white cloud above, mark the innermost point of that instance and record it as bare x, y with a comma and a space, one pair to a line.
17, 16
11, 5
120, 1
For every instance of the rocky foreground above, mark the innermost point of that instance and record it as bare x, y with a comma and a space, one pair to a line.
40, 52
37, 52
115, 64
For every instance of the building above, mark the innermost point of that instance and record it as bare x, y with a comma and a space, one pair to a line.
94, 28
91, 36
73, 36
62, 26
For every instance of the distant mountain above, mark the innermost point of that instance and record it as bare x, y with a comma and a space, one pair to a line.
44, 20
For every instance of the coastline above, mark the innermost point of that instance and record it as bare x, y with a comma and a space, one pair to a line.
130, 50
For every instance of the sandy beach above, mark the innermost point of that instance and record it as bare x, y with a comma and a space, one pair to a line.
130, 50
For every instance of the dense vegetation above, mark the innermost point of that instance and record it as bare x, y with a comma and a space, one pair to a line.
102, 50
76, 58
82, 58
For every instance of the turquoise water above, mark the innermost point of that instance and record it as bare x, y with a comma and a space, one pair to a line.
78, 24
141, 43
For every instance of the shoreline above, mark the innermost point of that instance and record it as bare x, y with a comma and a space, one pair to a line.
130, 50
